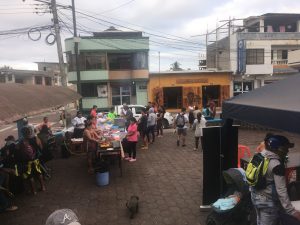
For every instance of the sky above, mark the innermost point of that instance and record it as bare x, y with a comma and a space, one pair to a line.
176, 27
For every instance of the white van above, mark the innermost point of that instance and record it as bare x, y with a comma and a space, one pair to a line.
137, 113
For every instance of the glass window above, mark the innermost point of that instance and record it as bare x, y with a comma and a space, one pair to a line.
254, 56
121, 95
94, 62
9, 77
38, 80
94, 90
140, 60
119, 61
242, 87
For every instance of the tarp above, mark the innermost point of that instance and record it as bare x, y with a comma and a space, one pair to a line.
20, 100
276, 105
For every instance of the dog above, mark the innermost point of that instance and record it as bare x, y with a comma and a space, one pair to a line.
133, 205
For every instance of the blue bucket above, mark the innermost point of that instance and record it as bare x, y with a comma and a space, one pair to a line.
102, 179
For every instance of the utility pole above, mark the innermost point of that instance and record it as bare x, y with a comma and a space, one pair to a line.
58, 44
216, 44
159, 62
76, 42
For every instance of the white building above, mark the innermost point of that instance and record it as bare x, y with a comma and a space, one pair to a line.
257, 52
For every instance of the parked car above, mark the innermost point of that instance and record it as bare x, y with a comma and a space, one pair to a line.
137, 113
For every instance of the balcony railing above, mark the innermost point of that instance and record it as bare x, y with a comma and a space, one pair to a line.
280, 62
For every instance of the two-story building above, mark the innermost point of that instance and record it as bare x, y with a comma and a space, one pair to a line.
8, 75
257, 52
113, 67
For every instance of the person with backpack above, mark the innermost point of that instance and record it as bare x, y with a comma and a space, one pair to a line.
180, 125
198, 124
265, 174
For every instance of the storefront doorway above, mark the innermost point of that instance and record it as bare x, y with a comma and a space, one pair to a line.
172, 97
211, 92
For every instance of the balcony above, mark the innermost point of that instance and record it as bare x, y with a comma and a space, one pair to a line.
279, 62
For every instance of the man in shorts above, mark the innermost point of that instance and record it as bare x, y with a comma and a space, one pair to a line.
180, 125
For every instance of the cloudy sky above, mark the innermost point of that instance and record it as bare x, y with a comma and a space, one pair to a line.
175, 27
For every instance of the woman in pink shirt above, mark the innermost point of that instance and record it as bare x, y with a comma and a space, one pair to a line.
132, 138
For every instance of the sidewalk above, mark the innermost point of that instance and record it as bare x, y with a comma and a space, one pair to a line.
167, 179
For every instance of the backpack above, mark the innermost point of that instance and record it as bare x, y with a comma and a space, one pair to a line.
256, 171
180, 121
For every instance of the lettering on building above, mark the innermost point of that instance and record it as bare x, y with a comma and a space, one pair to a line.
189, 81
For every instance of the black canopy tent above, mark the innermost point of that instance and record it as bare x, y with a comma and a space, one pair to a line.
275, 105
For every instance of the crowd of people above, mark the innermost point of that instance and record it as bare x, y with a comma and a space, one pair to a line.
23, 160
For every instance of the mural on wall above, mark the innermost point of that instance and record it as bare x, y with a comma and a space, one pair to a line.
191, 96
158, 96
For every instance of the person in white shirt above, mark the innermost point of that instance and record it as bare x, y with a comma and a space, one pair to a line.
198, 125
79, 125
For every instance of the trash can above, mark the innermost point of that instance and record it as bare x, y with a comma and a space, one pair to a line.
102, 179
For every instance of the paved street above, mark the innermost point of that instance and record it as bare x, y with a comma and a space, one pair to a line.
167, 179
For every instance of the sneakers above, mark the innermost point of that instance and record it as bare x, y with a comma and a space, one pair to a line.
127, 158
177, 142
132, 160
195, 149
144, 148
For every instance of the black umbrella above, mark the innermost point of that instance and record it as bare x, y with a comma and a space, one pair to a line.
275, 105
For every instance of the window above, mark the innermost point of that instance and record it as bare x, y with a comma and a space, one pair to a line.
94, 90
48, 81
282, 54
19, 81
9, 77
242, 87
38, 80
121, 95
120, 61
254, 56
87, 61
94, 62
140, 60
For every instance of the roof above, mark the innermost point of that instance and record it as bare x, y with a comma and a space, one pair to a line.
189, 72
20, 100
26, 72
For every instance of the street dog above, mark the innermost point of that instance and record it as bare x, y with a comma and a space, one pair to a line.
133, 205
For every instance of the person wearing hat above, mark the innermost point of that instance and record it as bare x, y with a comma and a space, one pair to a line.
62, 217
273, 196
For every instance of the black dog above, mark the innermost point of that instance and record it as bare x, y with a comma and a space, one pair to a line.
133, 205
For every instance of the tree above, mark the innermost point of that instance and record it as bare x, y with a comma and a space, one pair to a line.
175, 66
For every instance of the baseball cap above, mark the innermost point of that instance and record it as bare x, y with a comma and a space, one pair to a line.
276, 141
63, 217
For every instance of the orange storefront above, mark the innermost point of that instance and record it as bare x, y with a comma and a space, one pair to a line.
177, 89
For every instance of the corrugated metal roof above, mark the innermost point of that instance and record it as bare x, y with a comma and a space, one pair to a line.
20, 100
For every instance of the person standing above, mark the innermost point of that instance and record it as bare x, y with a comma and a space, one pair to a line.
151, 125
271, 197
198, 125
212, 109
191, 116
78, 123
142, 128
196, 111
93, 112
159, 124
90, 141
127, 115
111, 115
132, 138
45, 122
180, 125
